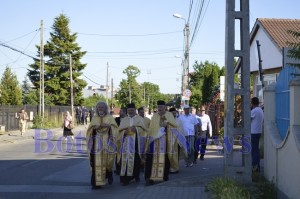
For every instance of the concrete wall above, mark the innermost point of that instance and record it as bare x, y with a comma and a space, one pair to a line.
282, 156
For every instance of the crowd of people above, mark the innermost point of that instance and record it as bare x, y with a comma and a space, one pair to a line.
154, 143
133, 142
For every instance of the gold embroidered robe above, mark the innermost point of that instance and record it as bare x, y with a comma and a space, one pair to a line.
127, 149
103, 146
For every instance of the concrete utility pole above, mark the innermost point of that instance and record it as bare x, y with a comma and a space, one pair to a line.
107, 84
186, 63
112, 93
71, 86
237, 158
187, 56
42, 83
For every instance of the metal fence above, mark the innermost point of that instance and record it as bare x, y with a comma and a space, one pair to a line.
8, 114
283, 99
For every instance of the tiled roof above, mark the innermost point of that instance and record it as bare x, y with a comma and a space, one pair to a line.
277, 29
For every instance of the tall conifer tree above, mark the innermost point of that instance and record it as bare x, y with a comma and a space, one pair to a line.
57, 50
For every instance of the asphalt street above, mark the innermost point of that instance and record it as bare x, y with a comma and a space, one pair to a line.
42, 165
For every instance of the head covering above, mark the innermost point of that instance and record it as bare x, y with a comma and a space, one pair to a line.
141, 108
131, 105
161, 102
172, 109
186, 106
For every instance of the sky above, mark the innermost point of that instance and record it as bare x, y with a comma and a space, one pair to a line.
119, 33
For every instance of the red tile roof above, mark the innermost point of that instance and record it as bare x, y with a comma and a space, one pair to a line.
277, 29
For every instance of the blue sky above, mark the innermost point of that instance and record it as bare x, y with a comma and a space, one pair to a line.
127, 32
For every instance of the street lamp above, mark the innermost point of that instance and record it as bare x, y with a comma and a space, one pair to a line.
185, 75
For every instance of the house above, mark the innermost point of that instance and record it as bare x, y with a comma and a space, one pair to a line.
281, 108
272, 35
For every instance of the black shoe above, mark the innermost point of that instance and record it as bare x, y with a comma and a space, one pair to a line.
96, 187
125, 183
110, 180
149, 182
202, 157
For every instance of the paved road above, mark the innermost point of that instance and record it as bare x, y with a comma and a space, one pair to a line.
46, 167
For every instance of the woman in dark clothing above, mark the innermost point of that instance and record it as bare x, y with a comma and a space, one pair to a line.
67, 125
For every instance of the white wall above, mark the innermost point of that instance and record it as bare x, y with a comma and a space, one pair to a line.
270, 54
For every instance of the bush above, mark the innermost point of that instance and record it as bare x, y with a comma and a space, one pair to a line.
38, 123
226, 188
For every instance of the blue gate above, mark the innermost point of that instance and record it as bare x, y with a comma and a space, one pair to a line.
283, 99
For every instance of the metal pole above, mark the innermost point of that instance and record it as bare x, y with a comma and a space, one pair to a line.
41, 63
261, 74
71, 86
107, 84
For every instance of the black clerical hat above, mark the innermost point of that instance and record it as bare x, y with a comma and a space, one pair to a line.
161, 102
131, 105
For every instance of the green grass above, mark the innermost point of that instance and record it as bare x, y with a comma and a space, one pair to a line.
226, 188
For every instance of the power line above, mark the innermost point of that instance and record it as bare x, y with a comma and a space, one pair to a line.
14, 49
136, 35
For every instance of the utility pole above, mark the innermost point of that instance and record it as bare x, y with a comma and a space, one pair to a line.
42, 83
71, 86
187, 55
261, 73
112, 93
107, 84
237, 160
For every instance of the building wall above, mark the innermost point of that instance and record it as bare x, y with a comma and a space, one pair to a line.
270, 54
282, 156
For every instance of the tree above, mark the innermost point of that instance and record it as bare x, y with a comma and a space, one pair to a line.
203, 82
91, 101
10, 91
25, 90
57, 51
295, 51
130, 91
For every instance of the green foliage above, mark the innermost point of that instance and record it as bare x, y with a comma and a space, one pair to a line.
265, 190
226, 188
57, 53
25, 90
130, 90
295, 51
203, 82
38, 123
10, 91
92, 100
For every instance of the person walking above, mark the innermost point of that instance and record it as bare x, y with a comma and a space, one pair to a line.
68, 125
133, 142
189, 125
122, 115
206, 130
91, 113
159, 149
257, 118
101, 145
78, 114
23, 117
